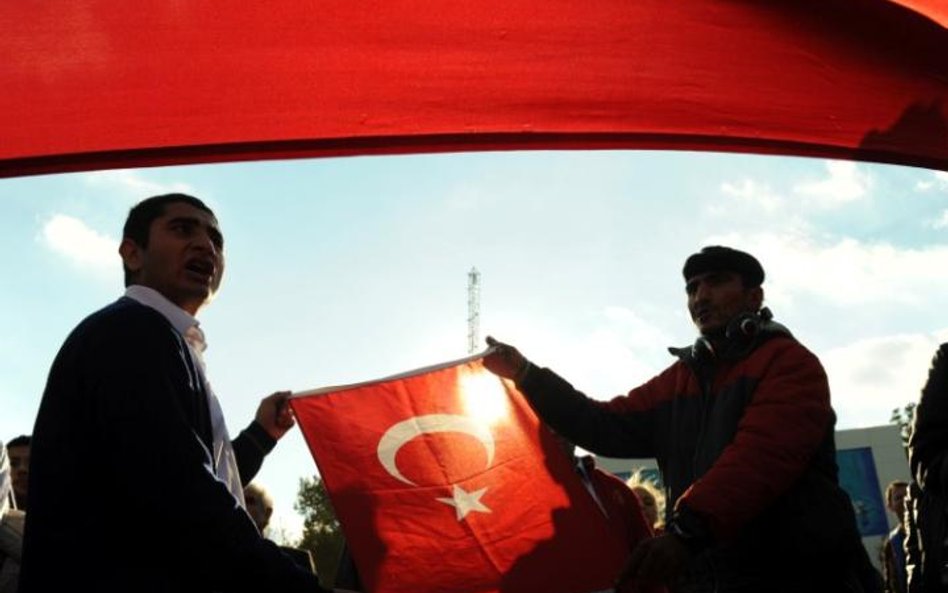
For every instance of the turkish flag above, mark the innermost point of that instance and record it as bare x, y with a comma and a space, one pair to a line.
444, 480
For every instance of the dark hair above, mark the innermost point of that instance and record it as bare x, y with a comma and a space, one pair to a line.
140, 217
889, 490
21, 441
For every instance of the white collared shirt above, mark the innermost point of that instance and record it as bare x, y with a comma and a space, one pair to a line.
225, 462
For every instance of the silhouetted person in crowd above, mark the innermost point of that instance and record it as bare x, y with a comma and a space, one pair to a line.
259, 506
652, 499
18, 450
927, 561
11, 529
135, 484
913, 579
6, 481
260, 509
742, 429
893, 546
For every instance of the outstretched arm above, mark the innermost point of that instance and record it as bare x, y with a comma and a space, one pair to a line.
623, 427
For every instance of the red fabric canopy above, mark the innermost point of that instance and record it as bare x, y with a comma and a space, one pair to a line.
91, 84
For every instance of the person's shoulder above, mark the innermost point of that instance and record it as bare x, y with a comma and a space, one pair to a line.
117, 323
786, 345
122, 314
611, 479
678, 372
13, 522
784, 355
593, 469
683, 356
301, 557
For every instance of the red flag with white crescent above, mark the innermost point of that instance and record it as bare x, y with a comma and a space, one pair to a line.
444, 480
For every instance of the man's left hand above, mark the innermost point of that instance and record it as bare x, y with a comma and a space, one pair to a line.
275, 415
655, 560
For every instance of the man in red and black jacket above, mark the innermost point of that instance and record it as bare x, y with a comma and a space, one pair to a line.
742, 429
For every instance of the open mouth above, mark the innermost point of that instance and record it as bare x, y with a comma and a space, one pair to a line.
201, 267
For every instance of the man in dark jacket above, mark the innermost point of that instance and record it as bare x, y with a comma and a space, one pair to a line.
742, 429
927, 525
134, 483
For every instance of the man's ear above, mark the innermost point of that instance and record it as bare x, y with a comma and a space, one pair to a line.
131, 255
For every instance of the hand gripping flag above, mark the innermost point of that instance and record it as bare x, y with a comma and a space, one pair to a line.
445, 481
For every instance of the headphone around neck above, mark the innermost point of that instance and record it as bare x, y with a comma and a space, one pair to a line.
739, 335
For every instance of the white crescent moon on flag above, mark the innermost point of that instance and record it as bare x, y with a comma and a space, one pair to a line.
399, 434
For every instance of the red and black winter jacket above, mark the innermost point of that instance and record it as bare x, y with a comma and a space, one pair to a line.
744, 443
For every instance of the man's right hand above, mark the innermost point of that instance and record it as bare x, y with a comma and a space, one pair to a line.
505, 360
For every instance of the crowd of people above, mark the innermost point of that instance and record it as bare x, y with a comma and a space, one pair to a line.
740, 424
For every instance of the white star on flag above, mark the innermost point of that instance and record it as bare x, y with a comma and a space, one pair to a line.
466, 502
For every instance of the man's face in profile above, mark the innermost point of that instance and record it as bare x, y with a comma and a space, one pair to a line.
20, 471
184, 259
896, 502
715, 298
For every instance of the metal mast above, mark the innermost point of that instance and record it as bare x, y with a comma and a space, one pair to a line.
473, 310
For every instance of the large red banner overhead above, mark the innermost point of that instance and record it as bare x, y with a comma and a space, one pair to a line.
92, 84
445, 482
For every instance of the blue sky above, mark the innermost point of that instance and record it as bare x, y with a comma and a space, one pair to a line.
343, 270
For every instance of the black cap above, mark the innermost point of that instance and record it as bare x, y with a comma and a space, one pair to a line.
716, 258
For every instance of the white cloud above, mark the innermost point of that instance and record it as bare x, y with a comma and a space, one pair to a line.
844, 271
72, 238
869, 378
134, 183
639, 333
940, 222
846, 183
792, 206
603, 365
752, 193
622, 351
938, 179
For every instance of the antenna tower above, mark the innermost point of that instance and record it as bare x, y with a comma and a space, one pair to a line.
473, 310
